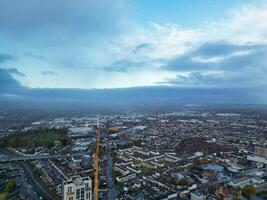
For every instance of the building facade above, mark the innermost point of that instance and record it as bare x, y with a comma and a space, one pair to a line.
77, 188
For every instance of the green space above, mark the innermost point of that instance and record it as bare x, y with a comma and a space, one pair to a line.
8, 188
167, 163
145, 170
197, 163
3, 196
183, 182
249, 190
37, 138
115, 174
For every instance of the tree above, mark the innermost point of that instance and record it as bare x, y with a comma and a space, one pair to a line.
248, 190
3, 196
10, 186
184, 182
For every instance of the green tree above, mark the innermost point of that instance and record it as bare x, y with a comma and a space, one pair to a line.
3, 196
184, 182
10, 186
248, 190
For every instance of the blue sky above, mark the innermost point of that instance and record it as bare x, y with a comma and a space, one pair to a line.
133, 43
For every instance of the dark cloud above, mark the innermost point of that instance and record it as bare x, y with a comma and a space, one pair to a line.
221, 65
195, 78
6, 57
230, 57
186, 63
223, 48
48, 73
15, 72
133, 98
7, 81
123, 66
140, 47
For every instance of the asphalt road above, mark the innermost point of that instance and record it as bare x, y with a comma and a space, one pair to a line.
35, 184
111, 188
15, 158
30, 178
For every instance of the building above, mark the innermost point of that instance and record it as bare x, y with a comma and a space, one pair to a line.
256, 158
242, 182
197, 196
124, 178
80, 131
77, 188
261, 151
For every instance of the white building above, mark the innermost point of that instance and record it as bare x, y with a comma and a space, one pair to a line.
256, 158
79, 131
242, 182
77, 188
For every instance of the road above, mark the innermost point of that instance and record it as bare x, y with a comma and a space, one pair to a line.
35, 184
35, 157
32, 194
111, 188
30, 178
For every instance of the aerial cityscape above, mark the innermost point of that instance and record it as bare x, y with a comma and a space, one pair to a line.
194, 153
133, 100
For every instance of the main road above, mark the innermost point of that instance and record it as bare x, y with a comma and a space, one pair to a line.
35, 184
15, 158
28, 172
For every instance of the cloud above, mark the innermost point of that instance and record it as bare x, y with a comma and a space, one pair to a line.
7, 81
138, 98
220, 56
6, 57
38, 57
221, 64
91, 43
123, 66
48, 73
15, 72
141, 47
224, 48
246, 24
60, 16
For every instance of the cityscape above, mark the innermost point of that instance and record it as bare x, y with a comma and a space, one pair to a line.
194, 153
133, 99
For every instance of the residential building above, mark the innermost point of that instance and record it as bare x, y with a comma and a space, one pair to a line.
77, 188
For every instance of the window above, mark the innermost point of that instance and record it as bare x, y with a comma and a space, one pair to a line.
82, 193
78, 193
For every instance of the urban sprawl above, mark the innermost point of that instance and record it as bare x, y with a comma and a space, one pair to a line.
192, 154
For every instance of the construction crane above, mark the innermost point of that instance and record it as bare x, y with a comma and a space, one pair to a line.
96, 165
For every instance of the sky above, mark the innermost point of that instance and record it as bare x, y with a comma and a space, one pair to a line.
108, 44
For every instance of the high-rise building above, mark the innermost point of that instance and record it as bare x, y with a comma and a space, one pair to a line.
77, 188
